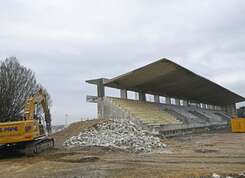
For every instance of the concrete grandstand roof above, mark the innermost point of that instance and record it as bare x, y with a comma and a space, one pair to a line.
166, 78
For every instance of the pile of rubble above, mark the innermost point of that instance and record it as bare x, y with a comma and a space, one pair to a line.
120, 133
241, 175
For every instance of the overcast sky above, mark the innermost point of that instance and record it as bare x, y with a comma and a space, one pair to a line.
68, 42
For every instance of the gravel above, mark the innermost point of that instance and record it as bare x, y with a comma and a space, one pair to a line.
120, 133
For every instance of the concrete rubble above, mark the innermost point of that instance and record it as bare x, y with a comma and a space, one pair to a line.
119, 133
241, 175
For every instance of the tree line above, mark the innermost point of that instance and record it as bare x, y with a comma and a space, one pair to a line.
17, 83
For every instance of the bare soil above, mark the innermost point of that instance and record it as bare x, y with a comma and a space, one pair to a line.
198, 155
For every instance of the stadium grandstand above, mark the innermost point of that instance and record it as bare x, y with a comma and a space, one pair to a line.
182, 100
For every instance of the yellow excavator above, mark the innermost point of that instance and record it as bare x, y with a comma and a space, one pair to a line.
30, 134
238, 125
238, 122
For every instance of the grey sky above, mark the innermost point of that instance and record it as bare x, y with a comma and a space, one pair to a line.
67, 42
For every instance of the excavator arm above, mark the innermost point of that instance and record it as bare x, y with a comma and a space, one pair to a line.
39, 98
47, 115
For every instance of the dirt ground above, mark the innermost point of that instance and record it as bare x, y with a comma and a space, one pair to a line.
189, 156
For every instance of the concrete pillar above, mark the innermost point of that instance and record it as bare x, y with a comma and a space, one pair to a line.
177, 101
185, 103
199, 105
168, 100
100, 108
136, 96
100, 88
234, 110
228, 110
208, 106
223, 108
204, 106
142, 96
156, 99
218, 108
215, 108
123, 93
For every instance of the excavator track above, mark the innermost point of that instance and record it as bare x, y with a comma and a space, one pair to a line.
38, 146
31, 148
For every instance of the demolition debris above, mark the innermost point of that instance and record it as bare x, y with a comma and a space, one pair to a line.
120, 133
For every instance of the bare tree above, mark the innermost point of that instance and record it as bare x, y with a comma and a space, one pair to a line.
17, 83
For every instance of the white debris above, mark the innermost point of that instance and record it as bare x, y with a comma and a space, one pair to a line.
242, 174
216, 176
121, 133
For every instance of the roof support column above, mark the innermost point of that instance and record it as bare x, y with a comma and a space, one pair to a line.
231, 110
123, 93
136, 96
185, 103
204, 106
100, 88
101, 94
217, 108
156, 99
208, 106
100, 108
168, 100
177, 101
142, 96
223, 108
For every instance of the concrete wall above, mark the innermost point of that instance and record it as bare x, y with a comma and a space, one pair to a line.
107, 110
111, 111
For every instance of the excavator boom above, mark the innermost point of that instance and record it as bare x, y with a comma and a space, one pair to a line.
29, 111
